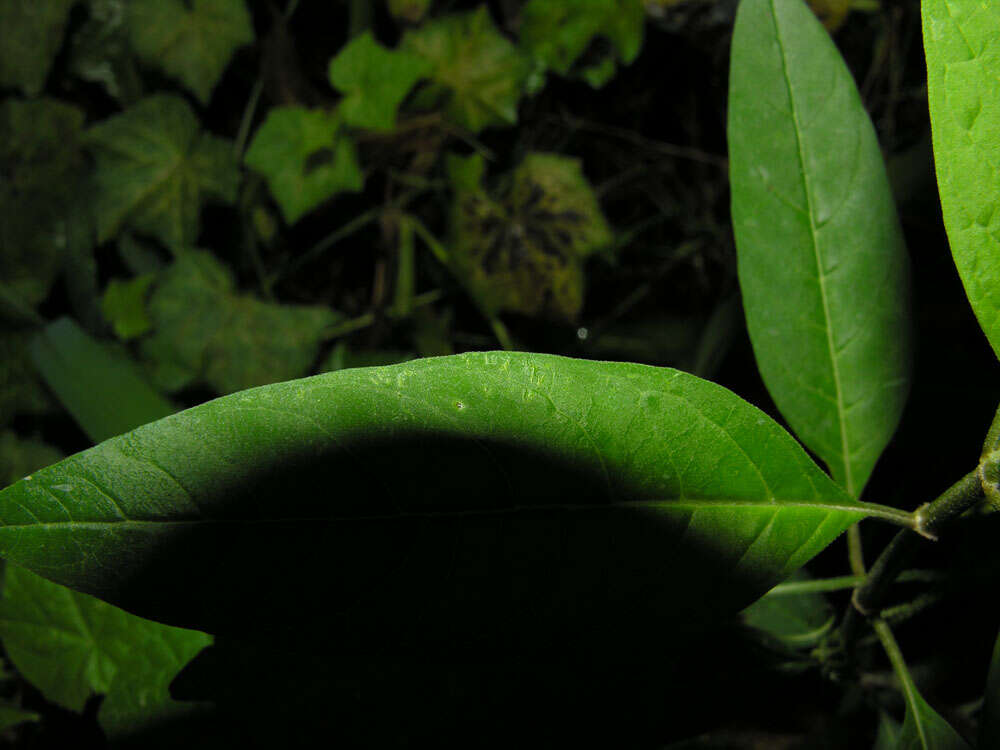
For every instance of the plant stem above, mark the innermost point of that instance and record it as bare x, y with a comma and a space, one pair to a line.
840, 583
363, 321
885, 635
855, 552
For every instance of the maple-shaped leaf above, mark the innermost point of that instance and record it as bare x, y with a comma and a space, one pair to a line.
374, 80
566, 35
31, 32
191, 40
305, 157
204, 330
154, 168
522, 248
478, 75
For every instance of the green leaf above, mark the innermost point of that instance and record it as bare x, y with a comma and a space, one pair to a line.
11, 716
477, 500
100, 52
20, 457
191, 40
100, 388
796, 621
71, 646
411, 11
155, 168
305, 158
124, 306
30, 36
21, 391
989, 726
374, 80
204, 331
888, 733
963, 67
822, 266
524, 250
559, 32
42, 219
478, 75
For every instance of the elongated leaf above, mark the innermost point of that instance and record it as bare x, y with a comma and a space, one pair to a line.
104, 393
795, 621
72, 646
989, 728
963, 91
488, 498
822, 266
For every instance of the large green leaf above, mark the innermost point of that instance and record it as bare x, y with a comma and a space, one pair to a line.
155, 168
192, 40
305, 158
477, 74
374, 80
30, 36
71, 646
203, 330
479, 500
963, 91
822, 266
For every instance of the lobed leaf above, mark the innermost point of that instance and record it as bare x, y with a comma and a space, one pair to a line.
476, 501
963, 91
822, 266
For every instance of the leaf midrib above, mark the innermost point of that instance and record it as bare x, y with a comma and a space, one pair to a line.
813, 232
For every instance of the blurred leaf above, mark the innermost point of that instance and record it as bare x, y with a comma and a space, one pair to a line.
831, 12
71, 646
21, 392
204, 330
31, 32
100, 52
478, 75
305, 158
19, 456
559, 32
342, 357
374, 81
124, 306
11, 716
823, 268
411, 11
100, 388
963, 66
191, 40
888, 733
155, 168
43, 221
796, 621
524, 251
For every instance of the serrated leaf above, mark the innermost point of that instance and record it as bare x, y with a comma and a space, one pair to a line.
205, 331
101, 387
71, 646
479, 500
305, 158
478, 75
42, 220
822, 266
374, 80
191, 40
524, 249
963, 91
559, 32
30, 36
124, 306
154, 169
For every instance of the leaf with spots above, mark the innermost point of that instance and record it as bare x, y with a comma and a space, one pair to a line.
822, 266
523, 249
72, 646
963, 91
154, 169
205, 331
305, 157
191, 40
477, 75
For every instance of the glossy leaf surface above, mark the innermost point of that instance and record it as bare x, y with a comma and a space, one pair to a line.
963, 90
822, 265
155, 168
191, 40
72, 646
512, 499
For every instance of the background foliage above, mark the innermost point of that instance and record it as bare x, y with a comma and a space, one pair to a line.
220, 194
